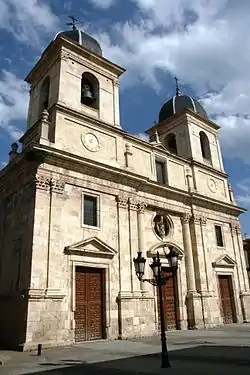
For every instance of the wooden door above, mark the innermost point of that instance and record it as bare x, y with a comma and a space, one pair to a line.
89, 311
170, 302
227, 300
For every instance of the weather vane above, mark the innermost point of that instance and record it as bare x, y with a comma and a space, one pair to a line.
73, 23
177, 86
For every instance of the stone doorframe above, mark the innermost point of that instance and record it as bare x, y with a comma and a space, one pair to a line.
92, 253
162, 247
225, 265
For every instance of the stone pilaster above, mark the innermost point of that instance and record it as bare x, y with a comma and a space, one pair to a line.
190, 180
124, 246
231, 194
242, 272
54, 241
194, 307
198, 224
239, 256
128, 156
116, 104
141, 240
47, 235
133, 241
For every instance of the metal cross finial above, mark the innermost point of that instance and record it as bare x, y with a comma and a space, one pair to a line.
177, 86
73, 23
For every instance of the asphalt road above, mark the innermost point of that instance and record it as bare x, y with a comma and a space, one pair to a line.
212, 351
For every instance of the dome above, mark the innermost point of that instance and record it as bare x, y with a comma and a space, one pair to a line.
83, 39
177, 104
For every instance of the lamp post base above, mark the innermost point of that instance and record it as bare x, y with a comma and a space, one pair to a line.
165, 362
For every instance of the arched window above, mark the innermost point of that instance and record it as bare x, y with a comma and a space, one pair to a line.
90, 90
205, 148
44, 94
171, 144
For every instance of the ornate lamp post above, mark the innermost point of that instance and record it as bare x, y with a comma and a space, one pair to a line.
159, 280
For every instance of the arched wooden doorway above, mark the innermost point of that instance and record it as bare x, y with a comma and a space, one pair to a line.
171, 301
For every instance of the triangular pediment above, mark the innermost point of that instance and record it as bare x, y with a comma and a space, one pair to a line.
159, 146
92, 247
224, 261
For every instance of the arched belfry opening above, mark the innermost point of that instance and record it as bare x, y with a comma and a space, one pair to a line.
171, 144
90, 90
44, 94
205, 147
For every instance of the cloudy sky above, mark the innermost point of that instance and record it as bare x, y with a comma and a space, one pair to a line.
203, 42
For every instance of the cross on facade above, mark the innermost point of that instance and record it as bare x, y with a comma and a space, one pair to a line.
73, 23
177, 86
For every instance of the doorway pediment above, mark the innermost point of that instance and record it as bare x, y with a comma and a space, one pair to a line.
92, 247
224, 261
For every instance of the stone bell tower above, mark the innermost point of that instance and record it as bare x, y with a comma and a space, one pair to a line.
72, 83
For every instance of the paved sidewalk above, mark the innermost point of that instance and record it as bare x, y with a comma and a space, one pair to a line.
194, 352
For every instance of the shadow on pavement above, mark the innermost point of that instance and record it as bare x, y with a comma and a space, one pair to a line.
199, 359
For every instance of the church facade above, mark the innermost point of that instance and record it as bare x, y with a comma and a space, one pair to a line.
82, 197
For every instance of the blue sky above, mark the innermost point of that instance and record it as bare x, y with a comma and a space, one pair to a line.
203, 42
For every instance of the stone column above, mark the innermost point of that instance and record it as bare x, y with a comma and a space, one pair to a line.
141, 239
241, 264
188, 253
199, 252
194, 307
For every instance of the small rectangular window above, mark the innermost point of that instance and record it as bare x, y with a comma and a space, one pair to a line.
90, 210
160, 172
219, 238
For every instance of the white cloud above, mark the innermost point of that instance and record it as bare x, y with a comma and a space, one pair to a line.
204, 43
13, 103
244, 197
3, 164
104, 4
142, 136
27, 20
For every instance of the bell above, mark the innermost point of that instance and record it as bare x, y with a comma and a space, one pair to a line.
87, 95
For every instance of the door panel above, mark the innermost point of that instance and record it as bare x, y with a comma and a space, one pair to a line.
89, 312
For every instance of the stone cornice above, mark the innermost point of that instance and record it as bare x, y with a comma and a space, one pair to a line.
184, 115
213, 204
82, 165
208, 168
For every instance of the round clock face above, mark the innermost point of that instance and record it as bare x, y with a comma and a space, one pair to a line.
212, 185
91, 142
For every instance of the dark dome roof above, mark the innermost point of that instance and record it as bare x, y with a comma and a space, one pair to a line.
178, 103
83, 39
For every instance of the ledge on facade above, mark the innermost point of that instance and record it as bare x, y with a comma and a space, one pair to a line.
91, 247
133, 296
209, 168
224, 261
94, 168
35, 293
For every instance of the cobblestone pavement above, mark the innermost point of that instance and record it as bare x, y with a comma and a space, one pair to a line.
213, 351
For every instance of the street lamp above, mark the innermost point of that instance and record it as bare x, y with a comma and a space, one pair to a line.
159, 280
